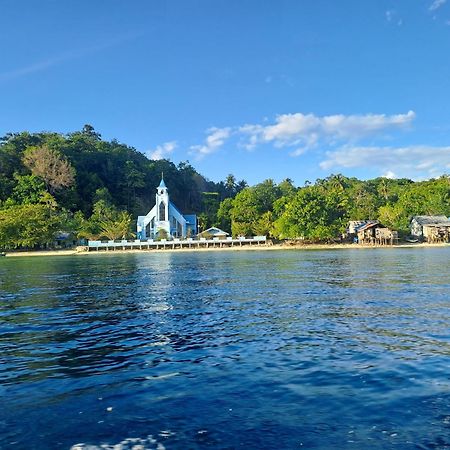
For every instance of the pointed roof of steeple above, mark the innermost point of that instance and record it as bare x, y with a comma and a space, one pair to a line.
162, 184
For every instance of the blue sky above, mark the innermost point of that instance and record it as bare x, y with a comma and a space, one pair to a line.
260, 89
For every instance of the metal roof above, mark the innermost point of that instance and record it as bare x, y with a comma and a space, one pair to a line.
162, 184
431, 220
216, 231
367, 225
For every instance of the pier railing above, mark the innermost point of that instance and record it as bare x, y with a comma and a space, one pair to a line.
151, 244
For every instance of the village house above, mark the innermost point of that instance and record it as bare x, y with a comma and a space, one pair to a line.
351, 232
214, 232
374, 233
431, 228
164, 220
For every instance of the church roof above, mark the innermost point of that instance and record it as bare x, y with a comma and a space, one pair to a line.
162, 184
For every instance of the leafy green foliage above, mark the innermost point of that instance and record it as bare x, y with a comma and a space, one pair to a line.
106, 221
29, 189
81, 184
312, 214
320, 211
99, 186
28, 225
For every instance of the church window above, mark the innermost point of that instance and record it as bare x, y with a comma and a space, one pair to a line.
162, 211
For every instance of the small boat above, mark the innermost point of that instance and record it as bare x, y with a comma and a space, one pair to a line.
412, 241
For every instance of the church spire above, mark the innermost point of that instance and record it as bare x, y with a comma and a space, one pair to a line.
162, 184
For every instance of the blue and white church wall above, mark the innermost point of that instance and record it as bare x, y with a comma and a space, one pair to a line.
165, 216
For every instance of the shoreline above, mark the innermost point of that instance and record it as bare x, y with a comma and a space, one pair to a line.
73, 252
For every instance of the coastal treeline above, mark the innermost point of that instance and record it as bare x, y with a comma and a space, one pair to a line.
64, 187
56, 188
320, 211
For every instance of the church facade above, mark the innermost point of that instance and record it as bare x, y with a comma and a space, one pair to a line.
165, 220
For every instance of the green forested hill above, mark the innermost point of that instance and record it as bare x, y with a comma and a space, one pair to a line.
86, 182
82, 185
129, 176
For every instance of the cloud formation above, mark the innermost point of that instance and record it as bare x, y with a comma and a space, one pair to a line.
391, 16
436, 4
215, 139
341, 141
305, 131
419, 159
163, 151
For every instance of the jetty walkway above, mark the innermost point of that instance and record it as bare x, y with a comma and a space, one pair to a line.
163, 244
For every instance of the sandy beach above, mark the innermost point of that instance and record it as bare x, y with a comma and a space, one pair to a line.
72, 252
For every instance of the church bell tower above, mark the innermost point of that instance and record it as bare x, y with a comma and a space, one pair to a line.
162, 202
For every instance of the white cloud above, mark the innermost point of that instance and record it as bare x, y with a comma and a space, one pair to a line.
163, 151
391, 16
215, 139
299, 151
389, 174
410, 161
308, 130
436, 5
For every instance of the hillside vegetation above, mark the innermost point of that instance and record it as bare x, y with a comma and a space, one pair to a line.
83, 186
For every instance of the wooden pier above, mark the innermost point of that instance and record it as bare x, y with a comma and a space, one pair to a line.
172, 244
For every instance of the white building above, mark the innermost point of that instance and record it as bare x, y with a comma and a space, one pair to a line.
165, 216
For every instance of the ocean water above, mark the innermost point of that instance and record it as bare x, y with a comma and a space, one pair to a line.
333, 349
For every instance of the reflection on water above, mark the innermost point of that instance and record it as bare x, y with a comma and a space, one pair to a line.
312, 349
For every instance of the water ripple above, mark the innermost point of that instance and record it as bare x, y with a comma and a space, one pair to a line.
327, 349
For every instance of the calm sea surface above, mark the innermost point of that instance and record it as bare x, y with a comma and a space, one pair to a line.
343, 349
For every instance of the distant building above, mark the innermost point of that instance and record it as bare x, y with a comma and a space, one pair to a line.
430, 228
214, 232
374, 233
165, 220
353, 225
419, 224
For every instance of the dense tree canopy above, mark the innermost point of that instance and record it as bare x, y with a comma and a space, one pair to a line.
82, 185
321, 211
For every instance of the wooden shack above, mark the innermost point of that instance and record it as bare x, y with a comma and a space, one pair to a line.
437, 233
351, 233
375, 233
432, 229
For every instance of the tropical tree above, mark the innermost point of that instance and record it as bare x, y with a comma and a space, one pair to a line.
29, 225
312, 215
28, 189
117, 227
224, 214
51, 166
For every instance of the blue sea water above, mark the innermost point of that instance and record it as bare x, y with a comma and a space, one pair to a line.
335, 349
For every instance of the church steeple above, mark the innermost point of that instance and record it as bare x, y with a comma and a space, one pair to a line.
162, 184
162, 201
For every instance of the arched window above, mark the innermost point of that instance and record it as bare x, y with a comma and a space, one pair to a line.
162, 211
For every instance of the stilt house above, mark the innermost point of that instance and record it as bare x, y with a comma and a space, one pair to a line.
431, 228
375, 233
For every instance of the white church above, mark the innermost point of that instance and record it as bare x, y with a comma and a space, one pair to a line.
165, 216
